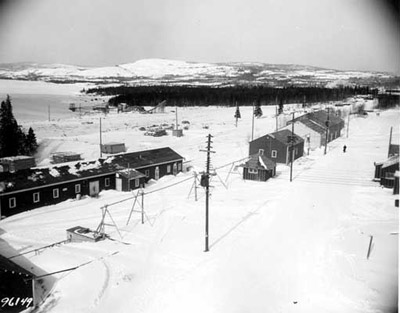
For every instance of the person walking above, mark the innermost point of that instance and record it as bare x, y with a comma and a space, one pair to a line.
344, 149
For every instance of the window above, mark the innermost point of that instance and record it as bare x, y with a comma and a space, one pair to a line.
296, 151
77, 188
107, 182
36, 197
147, 173
274, 154
168, 168
179, 166
253, 171
12, 202
261, 151
56, 193
137, 182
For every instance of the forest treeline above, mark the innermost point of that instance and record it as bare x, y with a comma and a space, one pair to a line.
224, 96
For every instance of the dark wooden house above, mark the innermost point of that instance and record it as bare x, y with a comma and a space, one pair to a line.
384, 171
36, 187
129, 179
396, 183
113, 147
278, 146
259, 168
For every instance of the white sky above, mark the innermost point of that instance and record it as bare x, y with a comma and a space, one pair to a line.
341, 34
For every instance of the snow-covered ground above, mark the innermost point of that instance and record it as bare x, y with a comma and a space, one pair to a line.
275, 246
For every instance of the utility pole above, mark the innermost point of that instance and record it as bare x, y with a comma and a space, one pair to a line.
252, 124
205, 182
276, 114
101, 144
327, 132
348, 125
390, 140
291, 148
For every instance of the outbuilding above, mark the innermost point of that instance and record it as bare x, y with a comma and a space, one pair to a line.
278, 146
259, 168
384, 171
16, 163
129, 179
113, 147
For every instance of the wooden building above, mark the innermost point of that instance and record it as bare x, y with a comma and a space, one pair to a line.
62, 157
321, 122
129, 179
16, 163
384, 171
36, 187
396, 183
113, 147
312, 134
259, 168
278, 146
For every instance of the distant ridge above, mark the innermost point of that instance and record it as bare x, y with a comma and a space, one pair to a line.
174, 72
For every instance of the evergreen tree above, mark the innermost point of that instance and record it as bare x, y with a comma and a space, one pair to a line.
237, 114
257, 110
31, 144
10, 134
13, 140
280, 108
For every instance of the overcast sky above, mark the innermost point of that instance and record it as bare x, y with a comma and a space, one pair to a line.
340, 34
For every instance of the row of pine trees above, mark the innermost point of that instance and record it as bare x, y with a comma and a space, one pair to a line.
13, 139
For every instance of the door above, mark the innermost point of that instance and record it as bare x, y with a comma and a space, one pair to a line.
157, 173
94, 188
118, 184
174, 169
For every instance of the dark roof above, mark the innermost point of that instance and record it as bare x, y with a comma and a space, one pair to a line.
283, 136
8, 265
391, 161
130, 173
35, 177
320, 117
144, 158
313, 125
260, 162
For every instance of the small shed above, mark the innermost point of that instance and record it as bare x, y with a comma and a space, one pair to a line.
259, 168
16, 163
61, 157
113, 147
81, 234
129, 179
384, 171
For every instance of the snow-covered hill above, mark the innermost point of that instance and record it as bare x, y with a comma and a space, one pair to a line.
160, 71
